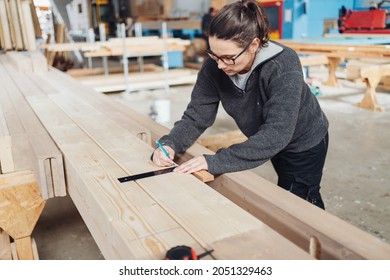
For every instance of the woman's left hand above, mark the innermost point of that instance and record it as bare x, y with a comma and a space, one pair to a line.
193, 165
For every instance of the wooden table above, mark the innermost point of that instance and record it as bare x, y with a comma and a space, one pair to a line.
337, 49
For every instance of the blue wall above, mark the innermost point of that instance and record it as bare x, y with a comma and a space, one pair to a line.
308, 16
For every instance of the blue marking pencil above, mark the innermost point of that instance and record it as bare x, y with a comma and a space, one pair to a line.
162, 149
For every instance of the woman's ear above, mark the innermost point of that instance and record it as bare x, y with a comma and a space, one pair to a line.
255, 45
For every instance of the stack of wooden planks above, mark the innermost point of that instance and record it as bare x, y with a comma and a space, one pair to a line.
102, 140
130, 47
17, 25
134, 46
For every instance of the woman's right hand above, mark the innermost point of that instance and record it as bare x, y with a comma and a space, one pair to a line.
160, 159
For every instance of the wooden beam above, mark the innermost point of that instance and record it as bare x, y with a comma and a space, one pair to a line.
37, 26
20, 147
340, 50
15, 24
311, 60
45, 152
284, 212
28, 25
54, 80
5, 32
6, 159
172, 24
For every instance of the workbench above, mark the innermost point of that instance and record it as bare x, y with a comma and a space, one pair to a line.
338, 49
130, 47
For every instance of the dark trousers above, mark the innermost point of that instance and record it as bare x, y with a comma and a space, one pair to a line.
301, 173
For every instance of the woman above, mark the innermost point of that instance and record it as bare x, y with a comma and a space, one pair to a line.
260, 85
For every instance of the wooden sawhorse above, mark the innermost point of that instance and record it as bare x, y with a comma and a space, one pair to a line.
21, 205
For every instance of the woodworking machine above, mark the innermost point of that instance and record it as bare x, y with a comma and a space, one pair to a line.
372, 21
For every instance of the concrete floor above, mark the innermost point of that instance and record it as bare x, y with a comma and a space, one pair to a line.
355, 184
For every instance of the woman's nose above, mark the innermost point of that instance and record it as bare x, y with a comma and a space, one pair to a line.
221, 64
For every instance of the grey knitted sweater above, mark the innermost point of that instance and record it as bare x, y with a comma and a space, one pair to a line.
276, 111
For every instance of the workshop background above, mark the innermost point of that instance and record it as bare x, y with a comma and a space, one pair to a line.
81, 74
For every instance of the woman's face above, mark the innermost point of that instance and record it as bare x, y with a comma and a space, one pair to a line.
227, 50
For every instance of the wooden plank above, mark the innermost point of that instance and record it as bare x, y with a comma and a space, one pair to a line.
20, 146
28, 25
113, 43
37, 26
24, 248
283, 212
109, 107
34, 249
138, 81
174, 24
14, 252
314, 60
83, 72
340, 50
16, 27
5, 246
76, 46
22, 22
10, 23
106, 132
5, 32
204, 176
6, 159
42, 146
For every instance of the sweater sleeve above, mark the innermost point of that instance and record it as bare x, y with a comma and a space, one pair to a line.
199, 115
280, 114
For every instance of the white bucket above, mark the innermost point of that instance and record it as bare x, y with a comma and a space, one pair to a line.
162, 108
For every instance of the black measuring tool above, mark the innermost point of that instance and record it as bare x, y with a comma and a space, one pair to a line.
146, 174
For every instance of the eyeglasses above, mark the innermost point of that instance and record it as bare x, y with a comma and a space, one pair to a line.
227, 61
